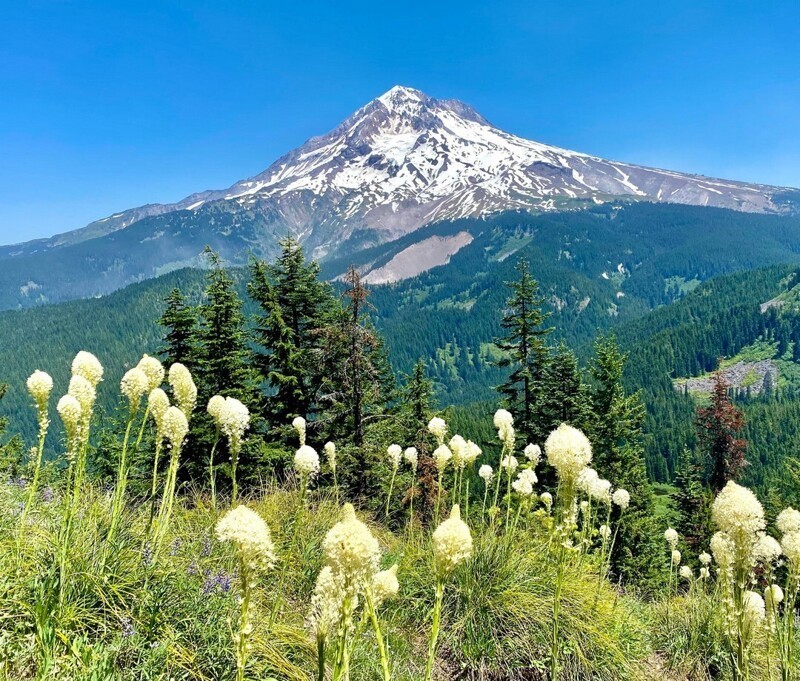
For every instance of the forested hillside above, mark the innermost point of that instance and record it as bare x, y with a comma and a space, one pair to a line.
598, 271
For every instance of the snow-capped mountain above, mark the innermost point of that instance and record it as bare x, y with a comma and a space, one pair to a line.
406, 160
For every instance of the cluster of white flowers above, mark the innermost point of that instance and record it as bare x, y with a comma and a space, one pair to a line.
395, 454
671, 537
232, 418
525, 481
621, 498
458, 446
722, 549
533, 453
385, 585
442, 457
472, 453
299, 424
738, 512
88, 366
134, 385
40, 385
324, 614
250, 533
330, 454
306, 462
788, 520
157, 404
486, 474
351, 550
154, 371
547, 499
568, 451
438, 428
509, 463
790, 543
685, 572
754, 608
601, 491
183, 388
412, 458
83, 391
767, 550
452, 543
605, 532
175, 426
705, 559
504, 422
69, 409
773, 596
676, 556
704, 573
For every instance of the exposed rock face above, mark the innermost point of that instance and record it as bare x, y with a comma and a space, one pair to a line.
418, 258
742, 375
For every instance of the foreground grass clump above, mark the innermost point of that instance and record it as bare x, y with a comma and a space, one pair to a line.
292, 582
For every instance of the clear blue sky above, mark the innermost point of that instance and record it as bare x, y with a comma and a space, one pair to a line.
108, 105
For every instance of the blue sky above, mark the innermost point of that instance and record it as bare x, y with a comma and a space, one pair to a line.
109, 105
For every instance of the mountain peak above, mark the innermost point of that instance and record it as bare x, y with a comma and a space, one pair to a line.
401, 93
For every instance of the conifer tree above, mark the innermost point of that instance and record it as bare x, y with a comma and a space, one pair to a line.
180, 321
718, 427
295, 305
564, 397
526, 354
358, 380
692, 501
615, 430
10, 449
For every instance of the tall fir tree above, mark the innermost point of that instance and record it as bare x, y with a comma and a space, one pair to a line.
692, 501
525, 353
180, 338
615, 430
358, 379
718, 428
10, 448
294, 306
564, 397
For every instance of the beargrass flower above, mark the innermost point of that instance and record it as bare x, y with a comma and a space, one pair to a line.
324, 612
509, 463
154, 371
442, 456
216, 406
452, 543
395, 454
523, 485
299, 424
133, 386
671, 537
704, 573
438, 428
621, 498
790, 543
586, 479
306, 462
351, 550
601, 491
40, 385
767, 549
234, 421
605, 532
250, 533
176, 427
788, 520
83, 391
88, 366
547, 499
533, 453
330, 455
70, 411
486, 473
685, 572
773, 596
704, 558
568, 451
183, 388
412, 457
676, 556
385, 585
737, 511
158, 404
754, 607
